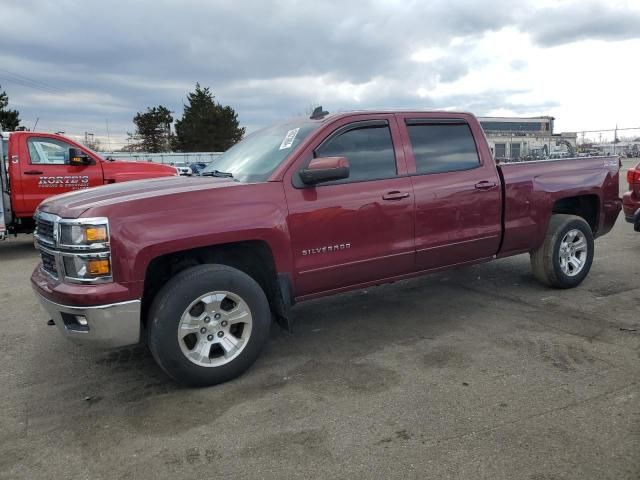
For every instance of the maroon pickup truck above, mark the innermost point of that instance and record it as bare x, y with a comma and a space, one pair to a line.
199, 266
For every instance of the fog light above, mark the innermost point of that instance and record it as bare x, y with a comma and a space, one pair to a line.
75, 323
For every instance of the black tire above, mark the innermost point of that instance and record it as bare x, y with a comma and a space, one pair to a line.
173, 300
545, 261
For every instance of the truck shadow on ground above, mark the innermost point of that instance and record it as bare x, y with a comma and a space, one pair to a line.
328, 334
345, 327
330, 352
17, 248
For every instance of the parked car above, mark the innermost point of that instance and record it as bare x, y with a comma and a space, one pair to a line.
631, 199
37, 166
182, 168
559, 155
302, 210
197, 167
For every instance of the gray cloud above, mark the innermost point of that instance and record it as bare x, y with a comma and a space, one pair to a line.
518, 64
583, 21
268, 60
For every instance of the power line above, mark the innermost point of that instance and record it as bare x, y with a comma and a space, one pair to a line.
608, 130
32, 80
29, 82
29, 85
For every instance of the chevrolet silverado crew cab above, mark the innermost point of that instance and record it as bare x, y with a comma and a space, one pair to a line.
36, 166
199, 266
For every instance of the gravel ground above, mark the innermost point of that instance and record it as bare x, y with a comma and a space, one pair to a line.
475, 373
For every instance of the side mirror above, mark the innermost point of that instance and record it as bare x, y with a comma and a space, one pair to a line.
325, 169
78, 158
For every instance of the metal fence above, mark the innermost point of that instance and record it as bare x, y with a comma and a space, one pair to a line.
166, 158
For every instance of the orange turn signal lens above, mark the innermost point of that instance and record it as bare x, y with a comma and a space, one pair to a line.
99, 267
96, 234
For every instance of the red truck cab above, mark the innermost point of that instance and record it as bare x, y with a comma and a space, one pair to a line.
199, 265
38, 166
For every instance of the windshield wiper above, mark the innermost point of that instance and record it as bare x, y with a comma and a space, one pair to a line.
216, 173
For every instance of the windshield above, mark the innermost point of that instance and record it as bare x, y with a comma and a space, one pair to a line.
255, 157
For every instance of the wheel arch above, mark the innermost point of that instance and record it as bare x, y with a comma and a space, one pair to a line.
584, 206
253, 257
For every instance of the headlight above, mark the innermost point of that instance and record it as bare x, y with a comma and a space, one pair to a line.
77, 250
73, 235
87, 267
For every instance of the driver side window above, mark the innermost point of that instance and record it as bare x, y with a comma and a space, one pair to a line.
48, 151
368, 148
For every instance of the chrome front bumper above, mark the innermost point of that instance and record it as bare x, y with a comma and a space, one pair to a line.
102, 326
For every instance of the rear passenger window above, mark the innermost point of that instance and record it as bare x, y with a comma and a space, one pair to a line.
442, 147
369, 151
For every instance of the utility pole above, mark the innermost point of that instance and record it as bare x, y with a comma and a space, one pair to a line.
90, 140
108, 136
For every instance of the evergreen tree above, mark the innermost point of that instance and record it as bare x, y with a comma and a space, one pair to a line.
9, 119
153, 130
207, 126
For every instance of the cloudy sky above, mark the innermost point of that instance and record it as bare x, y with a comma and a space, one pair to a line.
76, 64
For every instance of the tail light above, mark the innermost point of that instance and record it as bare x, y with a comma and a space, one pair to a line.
633, 176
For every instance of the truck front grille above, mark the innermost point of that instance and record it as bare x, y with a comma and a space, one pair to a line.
49, 263
45, 229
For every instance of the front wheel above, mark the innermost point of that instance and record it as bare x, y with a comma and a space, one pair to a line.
565, 257
208, 324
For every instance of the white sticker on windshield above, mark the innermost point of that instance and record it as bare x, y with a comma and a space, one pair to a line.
289, 138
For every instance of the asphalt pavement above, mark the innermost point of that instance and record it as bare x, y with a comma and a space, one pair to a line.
474, 373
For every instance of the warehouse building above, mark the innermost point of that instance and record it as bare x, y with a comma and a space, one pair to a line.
530, 138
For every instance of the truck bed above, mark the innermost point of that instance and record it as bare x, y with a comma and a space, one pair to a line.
533, 190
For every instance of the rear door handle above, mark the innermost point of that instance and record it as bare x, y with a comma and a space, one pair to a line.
395, 195
485, 185
33, 172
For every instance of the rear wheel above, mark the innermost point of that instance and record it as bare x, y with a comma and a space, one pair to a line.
565, 257
208, 325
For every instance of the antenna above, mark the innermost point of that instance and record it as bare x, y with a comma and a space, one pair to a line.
35, 124
318, 113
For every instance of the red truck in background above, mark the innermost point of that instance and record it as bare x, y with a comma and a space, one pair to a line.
318, 206
631, 199
36, 166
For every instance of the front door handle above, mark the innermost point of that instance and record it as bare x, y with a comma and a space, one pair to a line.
395, 195
33, 172
485, 185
